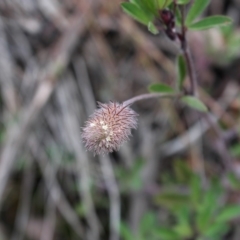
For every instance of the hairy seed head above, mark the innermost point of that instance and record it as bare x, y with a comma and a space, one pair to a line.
108, 127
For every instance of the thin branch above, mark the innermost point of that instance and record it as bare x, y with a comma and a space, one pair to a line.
193, 79
191, 70
149, 96
187, 55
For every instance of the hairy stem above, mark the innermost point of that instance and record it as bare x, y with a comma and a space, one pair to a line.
150, 95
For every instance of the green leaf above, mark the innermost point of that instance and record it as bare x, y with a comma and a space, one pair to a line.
163, 3
167, 234
183, 219
196, 189
184, 230
196, 9
203, 219
216, 230
148, 6
211, 197
194, 103
182, 71
137, 2
152, 28
183, 1
172, 200
160, 87
183, 215
206, 211
149, 221
125, 232
135, 12
228, 213
210, 22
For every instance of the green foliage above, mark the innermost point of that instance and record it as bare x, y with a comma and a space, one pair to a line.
126, 232
163, 3
166, 233
194, 103
137, 13
228, 213
152, 28
149, 229
172, 199
196, 9
194, 211
131, 179
183, 2
145, 11
161, 88
199, 208
210, 22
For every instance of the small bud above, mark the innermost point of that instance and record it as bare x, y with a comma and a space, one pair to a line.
108, 127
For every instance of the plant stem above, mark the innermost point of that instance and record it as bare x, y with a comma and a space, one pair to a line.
193, 80
191, 70
188, 56
150, 95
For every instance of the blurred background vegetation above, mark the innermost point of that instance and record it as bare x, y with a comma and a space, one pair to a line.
178, 178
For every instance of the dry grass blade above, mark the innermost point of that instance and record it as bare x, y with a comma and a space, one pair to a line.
17, 134
6, 76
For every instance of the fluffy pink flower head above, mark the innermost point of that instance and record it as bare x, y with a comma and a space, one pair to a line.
108, 127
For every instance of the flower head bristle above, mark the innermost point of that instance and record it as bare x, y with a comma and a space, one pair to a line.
108, 127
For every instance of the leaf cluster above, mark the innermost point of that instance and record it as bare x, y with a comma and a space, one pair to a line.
145, 11
194, 211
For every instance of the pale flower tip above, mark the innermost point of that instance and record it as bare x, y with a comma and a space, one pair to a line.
108, 127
